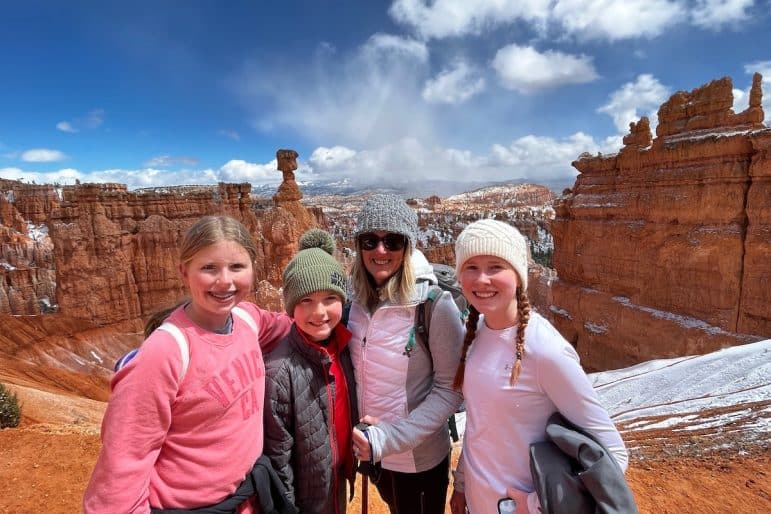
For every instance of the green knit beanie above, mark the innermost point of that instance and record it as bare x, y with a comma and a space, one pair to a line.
313, 269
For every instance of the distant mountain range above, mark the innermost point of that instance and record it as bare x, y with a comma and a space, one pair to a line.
415, 188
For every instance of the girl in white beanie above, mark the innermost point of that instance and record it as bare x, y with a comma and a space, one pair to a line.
518, 371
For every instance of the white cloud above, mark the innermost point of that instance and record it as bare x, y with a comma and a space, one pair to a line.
230, 134
43, 155
714, 14
741, 100
388, 44
445, 18
538, 157
237, 170
454, 85
65, 126
92, 120
329, 159
232, 171
634, 100
762, 67
532, 158
11, 173
370, 96
741, 96
524, 69
163, 161
599, 19
63, 176
617, 19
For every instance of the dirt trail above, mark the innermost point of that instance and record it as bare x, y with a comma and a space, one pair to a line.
45, 467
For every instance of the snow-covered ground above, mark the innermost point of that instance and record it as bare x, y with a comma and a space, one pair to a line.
724, 391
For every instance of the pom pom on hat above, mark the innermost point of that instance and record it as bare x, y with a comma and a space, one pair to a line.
317, 238
492, 237
313, 269
388, 213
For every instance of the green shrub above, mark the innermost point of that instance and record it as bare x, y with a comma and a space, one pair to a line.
10, 411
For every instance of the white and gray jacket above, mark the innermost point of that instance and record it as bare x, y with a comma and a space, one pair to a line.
409, 392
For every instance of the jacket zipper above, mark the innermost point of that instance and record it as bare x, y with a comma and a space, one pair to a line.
332, 436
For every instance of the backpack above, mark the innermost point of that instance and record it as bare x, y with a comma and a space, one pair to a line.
181, 340
449, 282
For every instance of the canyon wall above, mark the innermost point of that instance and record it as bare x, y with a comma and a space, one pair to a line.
664, 249
27, 277
111, 255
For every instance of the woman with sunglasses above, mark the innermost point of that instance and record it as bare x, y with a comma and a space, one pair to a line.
405, 389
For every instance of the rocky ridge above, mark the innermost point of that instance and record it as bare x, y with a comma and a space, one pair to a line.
440, 220
663, 249
105, 254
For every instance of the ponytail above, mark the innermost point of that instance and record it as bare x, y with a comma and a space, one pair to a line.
157, 318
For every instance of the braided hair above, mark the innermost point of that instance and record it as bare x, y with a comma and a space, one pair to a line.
471, 332
523, 317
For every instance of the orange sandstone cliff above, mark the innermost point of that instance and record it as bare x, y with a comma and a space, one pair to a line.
110, 255
664, 249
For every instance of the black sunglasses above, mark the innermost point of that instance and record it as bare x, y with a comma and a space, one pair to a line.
392, 242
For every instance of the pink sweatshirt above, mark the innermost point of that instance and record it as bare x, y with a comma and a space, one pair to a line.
168, 444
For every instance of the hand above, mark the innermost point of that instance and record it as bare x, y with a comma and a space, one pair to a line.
361, 446
457, 503
520, 497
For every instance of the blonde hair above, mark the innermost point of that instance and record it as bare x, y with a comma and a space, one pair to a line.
397, 289
523, 317
211, 230
207, 231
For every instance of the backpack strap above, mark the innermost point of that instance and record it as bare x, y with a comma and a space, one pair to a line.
184, 347
346, 314
423, 313
241, 313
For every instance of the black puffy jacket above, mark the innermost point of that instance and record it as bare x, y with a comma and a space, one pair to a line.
299, 432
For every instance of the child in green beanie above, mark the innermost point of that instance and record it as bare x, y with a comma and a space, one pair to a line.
310, 398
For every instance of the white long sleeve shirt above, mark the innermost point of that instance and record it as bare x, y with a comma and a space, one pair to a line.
503, 420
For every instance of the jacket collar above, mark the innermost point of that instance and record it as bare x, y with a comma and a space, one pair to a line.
311, 349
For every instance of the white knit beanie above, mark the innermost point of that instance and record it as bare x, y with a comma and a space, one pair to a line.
491, 237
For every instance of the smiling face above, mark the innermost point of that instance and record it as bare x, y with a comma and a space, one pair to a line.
490, 284
318, 313
380, 262
218, 277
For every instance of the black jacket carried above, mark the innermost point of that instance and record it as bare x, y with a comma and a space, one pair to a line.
261, 482
299, 432
574, 474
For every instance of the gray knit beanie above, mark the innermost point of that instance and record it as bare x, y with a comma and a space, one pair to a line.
313, 269
491, 237
388, 213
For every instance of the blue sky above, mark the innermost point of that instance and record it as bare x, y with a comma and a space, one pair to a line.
195, 92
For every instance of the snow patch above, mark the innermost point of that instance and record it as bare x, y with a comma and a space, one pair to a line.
596, 328
97, 357
560, 312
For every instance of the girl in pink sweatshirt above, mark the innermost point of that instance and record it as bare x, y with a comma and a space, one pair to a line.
184, 424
